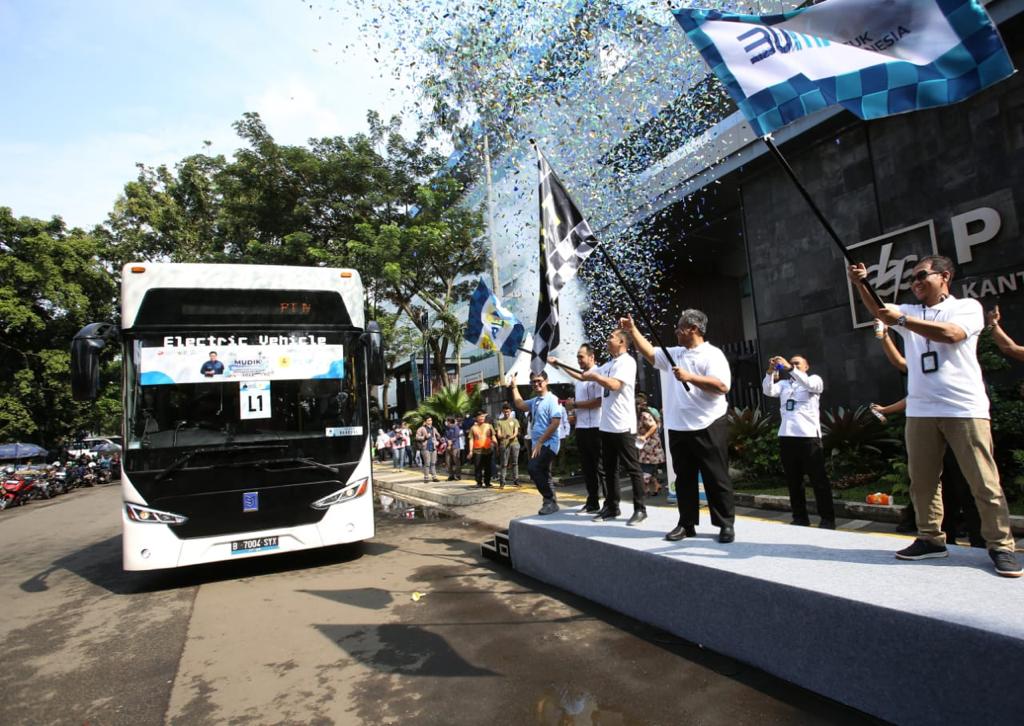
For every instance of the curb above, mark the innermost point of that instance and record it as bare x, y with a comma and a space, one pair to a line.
850, 510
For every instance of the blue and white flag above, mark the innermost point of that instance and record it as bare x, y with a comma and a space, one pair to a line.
491, 325
873, 57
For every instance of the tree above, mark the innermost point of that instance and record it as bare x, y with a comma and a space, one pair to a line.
52, 282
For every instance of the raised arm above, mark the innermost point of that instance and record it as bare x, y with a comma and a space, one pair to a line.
517, 400
893, 353
1005, 343
643, 345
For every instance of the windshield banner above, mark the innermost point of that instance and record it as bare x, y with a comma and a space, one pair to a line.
172, 365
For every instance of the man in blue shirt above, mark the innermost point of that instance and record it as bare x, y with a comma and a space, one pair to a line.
545, 417
212, 367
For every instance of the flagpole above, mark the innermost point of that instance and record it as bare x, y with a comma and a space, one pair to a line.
622, 280
640, 310
495, 282
817, 212
559, 364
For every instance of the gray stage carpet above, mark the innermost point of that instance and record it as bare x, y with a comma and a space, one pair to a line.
930, 642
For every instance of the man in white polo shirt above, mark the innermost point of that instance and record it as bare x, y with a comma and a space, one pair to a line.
618, 427
946, 406
698, 433
587, 405
800, 436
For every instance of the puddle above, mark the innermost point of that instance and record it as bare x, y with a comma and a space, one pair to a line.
567, 706
401, 510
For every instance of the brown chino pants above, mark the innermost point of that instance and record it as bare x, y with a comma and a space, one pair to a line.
971, 442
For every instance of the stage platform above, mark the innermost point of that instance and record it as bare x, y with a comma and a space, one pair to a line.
929, 642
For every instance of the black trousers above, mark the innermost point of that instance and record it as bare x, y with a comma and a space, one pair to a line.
616, 449
706, 451
482, 466
804, 456
588, 441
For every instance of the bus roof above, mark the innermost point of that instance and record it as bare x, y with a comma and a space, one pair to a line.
139, 277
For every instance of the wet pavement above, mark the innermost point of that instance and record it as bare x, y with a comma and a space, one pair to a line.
411, 627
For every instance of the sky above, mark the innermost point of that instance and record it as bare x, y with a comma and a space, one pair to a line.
95, 87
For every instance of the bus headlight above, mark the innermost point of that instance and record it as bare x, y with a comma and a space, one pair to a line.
355, 489
147, 515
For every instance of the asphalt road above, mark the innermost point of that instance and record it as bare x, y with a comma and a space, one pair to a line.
413, 627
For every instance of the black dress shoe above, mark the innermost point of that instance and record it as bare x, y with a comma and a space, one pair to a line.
606, 514
726, 535
590, 509
638, 516
679, 533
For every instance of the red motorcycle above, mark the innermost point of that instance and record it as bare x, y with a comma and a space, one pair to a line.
17, 489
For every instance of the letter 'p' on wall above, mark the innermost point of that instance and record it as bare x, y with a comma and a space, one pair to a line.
973, 228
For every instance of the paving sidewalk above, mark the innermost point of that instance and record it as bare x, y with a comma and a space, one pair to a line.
495, 507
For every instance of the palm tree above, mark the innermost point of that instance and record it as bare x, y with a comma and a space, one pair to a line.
449, 402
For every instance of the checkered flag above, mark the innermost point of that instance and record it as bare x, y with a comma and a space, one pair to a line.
565, 242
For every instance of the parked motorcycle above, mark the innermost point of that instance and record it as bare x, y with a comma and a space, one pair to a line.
17, 489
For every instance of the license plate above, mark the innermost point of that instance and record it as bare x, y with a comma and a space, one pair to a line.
256, 544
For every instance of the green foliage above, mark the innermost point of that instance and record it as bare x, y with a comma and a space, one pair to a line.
52, 282
753, 443
855, 444
990, 357
451, 401
897, 480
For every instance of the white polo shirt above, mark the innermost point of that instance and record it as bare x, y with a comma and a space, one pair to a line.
588, 418
799, 402
956, 388
695, 409
618, 408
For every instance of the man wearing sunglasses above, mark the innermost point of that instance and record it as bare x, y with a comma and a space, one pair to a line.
946, 406
545, 417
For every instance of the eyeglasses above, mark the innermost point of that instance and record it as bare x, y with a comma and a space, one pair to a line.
537, 381
922, 275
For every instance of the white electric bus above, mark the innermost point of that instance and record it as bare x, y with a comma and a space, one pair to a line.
245, 395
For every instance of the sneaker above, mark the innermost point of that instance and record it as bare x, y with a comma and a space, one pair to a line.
1006, 563
550, 507
590, 509
922, 550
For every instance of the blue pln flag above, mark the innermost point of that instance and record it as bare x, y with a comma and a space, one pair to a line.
491, 325
873, 57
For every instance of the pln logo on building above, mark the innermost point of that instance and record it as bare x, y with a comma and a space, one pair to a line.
890, 258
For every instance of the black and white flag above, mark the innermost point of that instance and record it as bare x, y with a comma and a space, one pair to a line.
565, 242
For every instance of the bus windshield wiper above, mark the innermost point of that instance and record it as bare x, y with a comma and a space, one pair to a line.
290, 460
185, 458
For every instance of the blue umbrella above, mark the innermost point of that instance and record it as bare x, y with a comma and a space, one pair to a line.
21, 451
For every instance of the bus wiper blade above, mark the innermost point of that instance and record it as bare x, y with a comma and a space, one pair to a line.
185, 458
291, 460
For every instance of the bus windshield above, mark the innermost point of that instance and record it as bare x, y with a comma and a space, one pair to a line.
213, 391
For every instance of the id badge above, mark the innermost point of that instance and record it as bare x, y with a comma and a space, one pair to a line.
791, 405
929, 362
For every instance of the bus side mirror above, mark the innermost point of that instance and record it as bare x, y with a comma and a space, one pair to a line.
375, 353
85, 359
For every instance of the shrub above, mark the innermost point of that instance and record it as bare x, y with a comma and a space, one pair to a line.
754, 443
855, 443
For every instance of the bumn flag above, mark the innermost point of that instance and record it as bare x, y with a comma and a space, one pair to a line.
873, 58
491, 325
565, 242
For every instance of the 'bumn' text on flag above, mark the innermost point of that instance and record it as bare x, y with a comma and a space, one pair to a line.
873, 58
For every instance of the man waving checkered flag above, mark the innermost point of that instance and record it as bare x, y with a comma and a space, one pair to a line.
565, 242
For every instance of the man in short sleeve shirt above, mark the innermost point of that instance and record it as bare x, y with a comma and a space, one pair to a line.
545, 417
587, 405
946, 406
695, 418
618, 427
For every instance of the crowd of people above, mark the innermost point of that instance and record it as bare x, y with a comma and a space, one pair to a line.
954, 482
